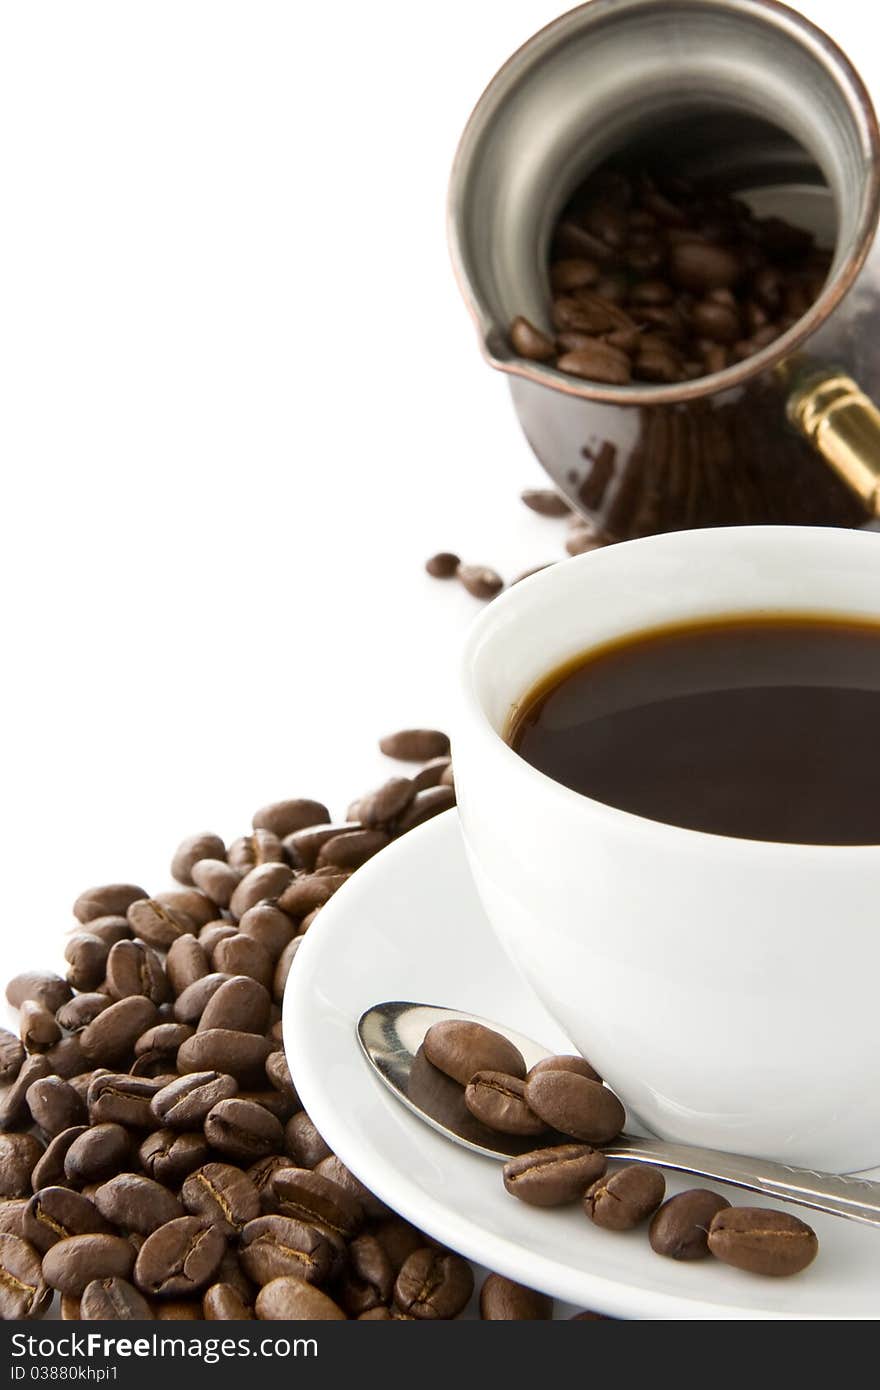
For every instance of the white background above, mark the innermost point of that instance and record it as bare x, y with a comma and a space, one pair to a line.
240, 403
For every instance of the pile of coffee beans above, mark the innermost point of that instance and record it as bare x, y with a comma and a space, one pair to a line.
566, 1096
155, 1161
657, 279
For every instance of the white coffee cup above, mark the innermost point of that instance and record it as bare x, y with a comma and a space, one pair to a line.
727, 989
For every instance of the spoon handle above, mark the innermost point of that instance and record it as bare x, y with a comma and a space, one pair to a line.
857, 1199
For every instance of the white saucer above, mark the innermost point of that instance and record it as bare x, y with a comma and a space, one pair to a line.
408, 925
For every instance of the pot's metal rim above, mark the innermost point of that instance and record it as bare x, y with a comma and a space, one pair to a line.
528, 55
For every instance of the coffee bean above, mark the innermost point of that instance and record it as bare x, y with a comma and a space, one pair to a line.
302, 847
700, 266
287, 1297
179, 1258
72, 1263
12, 1210
269, 927
309, 1196
261, 1174
69, 1307
284, 817
622, 1199
242, 1129
242, 1055
37, 1026
222, 1302
575, 1105
54, 1213
762, 1241
480, 580
242, 955
11, 1056
78, 1012
163, 1039
680, 1228
278, 1074
13, 1104
66, 1059
23, 1290
352, 850
274, 1246
333, 1168
267, 881
110, 929
719, 322
241, 1004
19, 1154
87, 958
433, 1284
282, 969
191, 850
368, 1281
398, 1239
579, 1065
545, 501
111, 899
529, 341
263, 847
501, 1300
498, 1101
553, 1177
40, 986
444, 563
310, 891
54, 1105
303, 1142
112, 1035
223, 1196
157, 925
415, 745
113, 1298
190, 905
461, 1049
184, 1103
193, 1000
186, 962
170, 1157
49, 1171
431, 774
217, 879
136, 1203
97, 1153
134, 969
598, 362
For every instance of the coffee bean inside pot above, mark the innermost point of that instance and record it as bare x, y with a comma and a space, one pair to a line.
681, 281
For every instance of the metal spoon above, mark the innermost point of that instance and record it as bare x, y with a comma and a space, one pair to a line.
391, 1036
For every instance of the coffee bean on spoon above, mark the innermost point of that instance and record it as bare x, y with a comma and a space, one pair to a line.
579, 1065
762, 1241
575, 1105
460, 1049
555, 1176
620, 1200
680, 1228
498, 1101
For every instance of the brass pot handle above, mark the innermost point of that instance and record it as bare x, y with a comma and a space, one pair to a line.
843, 424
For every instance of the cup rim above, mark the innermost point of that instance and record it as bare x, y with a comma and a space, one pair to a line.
678, 837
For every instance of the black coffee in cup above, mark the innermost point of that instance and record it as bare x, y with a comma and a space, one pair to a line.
762, 727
